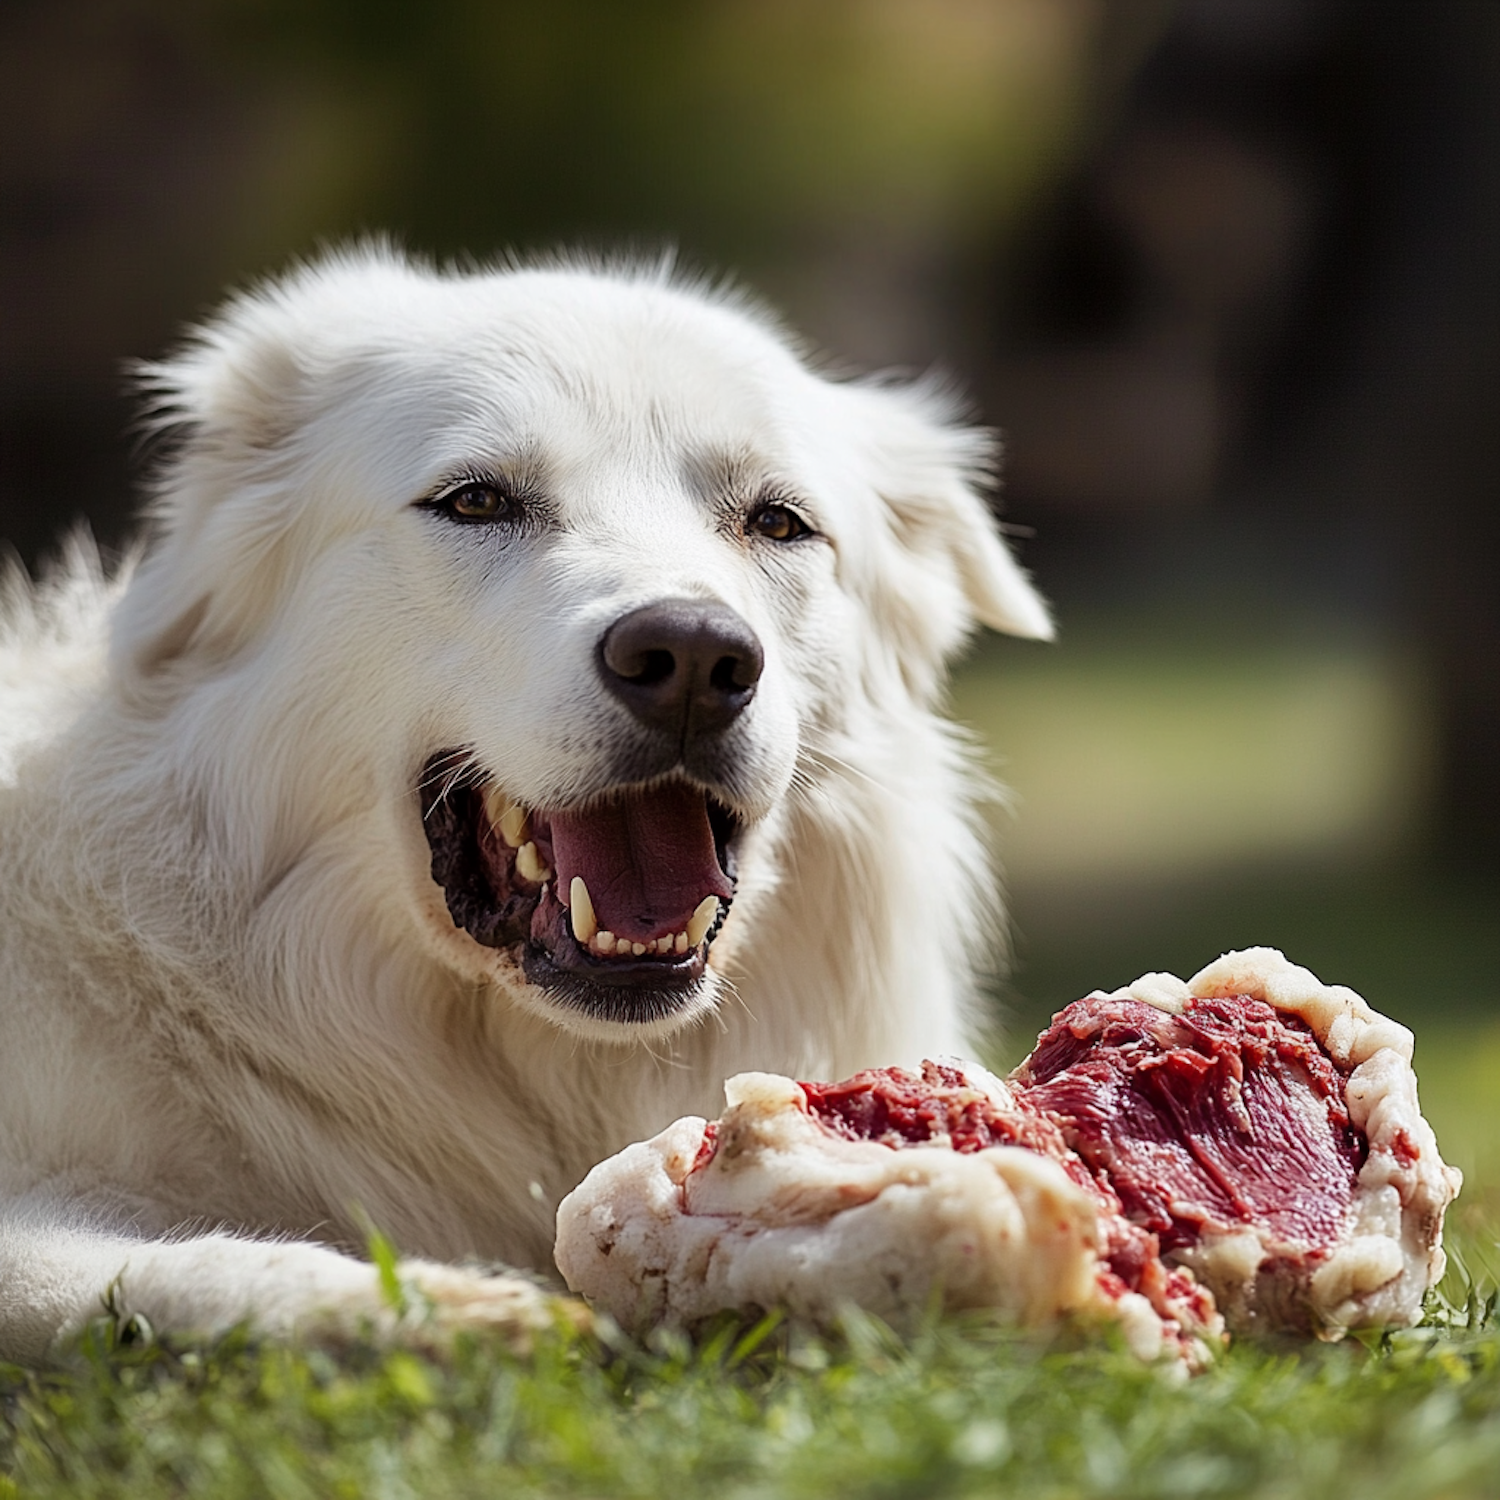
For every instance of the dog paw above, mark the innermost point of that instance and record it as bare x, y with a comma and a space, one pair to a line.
202, 1288
441, 1300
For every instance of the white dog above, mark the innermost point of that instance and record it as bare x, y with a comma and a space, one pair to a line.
522, 717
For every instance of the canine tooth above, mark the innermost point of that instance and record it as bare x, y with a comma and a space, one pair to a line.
702, 919
604, 942
585, 925
507, 817
680, 943
529, 864
496, 804
637, 949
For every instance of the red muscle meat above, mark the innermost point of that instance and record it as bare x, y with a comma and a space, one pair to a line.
900, 1108
1244, 1148
1225, 1116
896, 1107
1221, 1118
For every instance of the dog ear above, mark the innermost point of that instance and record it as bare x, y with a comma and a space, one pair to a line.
933, 475
224, 407
950, 513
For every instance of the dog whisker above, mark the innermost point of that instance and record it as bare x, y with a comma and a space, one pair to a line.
461, 769
444, 765
739, 1000
826, 758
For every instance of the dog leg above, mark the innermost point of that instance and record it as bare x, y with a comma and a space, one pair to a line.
60, 1268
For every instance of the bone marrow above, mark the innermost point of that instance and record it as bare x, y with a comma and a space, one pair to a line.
1241, 1152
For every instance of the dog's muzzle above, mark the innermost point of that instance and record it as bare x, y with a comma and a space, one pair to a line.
612, 906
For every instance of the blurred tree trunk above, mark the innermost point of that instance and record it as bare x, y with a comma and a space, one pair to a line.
1417, 431
1268, 307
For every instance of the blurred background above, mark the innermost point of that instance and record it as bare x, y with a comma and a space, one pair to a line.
1225, 272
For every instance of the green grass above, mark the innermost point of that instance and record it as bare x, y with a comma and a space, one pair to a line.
966, 1408
961, 1410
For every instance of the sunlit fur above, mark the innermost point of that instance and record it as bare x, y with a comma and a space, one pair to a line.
231, 998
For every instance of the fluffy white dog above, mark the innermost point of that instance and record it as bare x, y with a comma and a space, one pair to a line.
521, 718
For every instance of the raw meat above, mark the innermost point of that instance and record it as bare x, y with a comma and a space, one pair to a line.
1244, 1146
1267, 1127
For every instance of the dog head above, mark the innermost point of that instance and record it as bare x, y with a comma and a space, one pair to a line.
533, 588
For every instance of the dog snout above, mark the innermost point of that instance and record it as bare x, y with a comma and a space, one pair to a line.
686, 667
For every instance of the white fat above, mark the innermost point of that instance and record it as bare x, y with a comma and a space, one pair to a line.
1230, 1265
1140, 1325
787, 1215
1362, 1265
1404, 1190
981, 1079
1349, 1030
767, 1091
1165, 991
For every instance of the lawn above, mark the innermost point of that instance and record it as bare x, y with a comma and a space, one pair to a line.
961, 1410
964, 1409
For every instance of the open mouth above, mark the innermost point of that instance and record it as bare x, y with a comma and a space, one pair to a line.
614, 905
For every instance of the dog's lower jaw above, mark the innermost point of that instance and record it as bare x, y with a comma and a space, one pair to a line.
503, 976
622, 1011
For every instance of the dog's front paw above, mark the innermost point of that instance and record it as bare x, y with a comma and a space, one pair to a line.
438, 1300
202, 1288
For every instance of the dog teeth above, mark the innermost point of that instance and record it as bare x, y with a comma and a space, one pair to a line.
586, 928
529, 865
702, 919
506, 816
496, 802
512, 826
585, 925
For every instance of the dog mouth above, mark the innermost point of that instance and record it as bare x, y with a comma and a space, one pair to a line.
613, 905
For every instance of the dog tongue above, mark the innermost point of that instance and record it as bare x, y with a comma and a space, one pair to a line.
647, 858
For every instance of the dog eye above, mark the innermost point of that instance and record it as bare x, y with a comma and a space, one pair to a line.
477, 502
777, 524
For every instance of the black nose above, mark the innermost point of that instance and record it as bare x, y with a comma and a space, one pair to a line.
684, 666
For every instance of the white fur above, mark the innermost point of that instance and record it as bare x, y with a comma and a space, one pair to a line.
235, 1017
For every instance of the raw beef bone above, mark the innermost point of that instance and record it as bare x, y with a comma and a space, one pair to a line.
1247, 1142
1266, 1128
781, 1204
